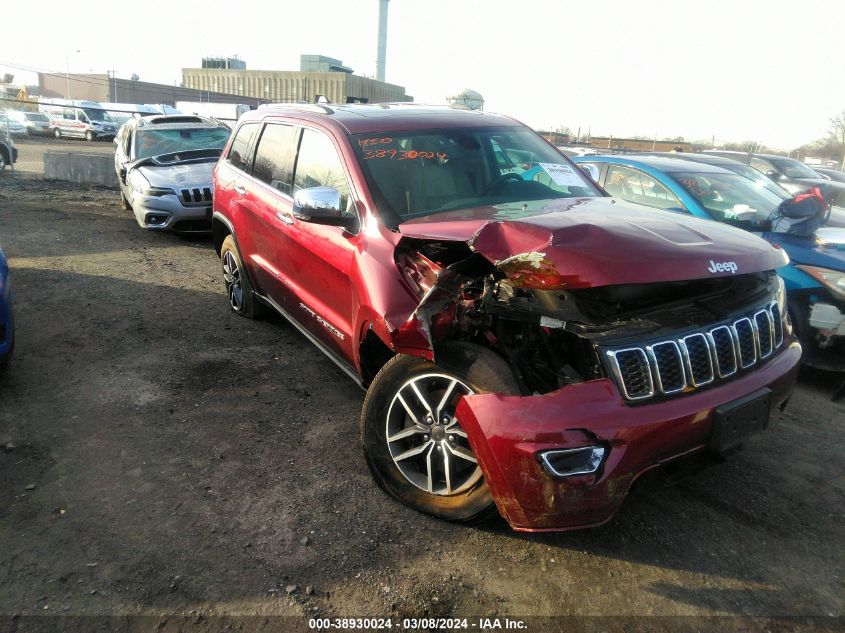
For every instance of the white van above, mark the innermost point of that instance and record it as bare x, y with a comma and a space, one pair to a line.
82, 119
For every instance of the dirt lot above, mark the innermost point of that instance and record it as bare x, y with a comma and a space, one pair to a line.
162, 456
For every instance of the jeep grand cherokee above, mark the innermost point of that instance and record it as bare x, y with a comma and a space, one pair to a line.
527, 343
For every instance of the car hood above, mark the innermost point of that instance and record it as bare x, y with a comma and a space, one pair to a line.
192, 174
825, 249
584, 242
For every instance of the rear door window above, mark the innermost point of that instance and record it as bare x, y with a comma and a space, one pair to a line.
275, 155
239, 154
635, 186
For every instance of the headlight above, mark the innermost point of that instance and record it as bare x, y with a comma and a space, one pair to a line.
157, 192
833, 280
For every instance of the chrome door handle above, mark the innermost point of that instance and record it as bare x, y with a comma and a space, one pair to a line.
241, 191
284, 217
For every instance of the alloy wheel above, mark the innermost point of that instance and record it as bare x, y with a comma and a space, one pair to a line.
426, 440
232, 277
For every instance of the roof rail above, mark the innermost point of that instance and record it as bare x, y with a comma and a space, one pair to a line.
308, 107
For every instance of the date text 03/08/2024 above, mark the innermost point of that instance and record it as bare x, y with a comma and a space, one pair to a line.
416, 624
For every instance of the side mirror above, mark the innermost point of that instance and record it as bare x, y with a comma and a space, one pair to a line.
321, 205
773, 175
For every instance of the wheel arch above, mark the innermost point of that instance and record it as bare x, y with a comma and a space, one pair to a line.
220, 229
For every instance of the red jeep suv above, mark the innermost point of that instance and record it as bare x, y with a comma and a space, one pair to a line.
527, 343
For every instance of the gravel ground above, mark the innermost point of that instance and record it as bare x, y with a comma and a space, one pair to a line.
161, 456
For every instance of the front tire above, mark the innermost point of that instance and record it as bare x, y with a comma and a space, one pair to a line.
57, 133
124, 203
236, 280
414, 445
89, 136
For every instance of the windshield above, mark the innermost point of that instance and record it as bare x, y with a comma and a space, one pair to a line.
795, 169
759, 179
730, 197
419, 173
96, 115
154, 142
35, 116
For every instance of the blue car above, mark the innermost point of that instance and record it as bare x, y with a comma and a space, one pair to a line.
7, 324
815, 276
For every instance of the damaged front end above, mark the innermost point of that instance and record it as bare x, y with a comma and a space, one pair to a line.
588, 358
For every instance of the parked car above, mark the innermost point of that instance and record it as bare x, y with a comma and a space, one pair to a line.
527, 345
164, 165
34, 123
815, 275
92, 124
730, 164
7, 321
832, 174
10, 126
794, 176
8, 153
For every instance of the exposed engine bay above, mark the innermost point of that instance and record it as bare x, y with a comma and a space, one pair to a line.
522, 309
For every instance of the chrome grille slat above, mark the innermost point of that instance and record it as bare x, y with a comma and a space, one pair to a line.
668, 366
763, 325
777, 322
697, 359
633, 372
724, 348
744, 331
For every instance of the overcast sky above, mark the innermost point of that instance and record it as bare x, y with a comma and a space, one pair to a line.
737, 70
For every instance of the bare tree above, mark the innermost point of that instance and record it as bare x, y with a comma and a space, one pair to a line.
837, 130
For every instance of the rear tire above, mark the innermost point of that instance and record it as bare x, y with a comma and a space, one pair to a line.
427, 463
57, 133
238, 288
2, 161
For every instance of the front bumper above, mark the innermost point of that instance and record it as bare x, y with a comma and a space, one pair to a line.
167, 213
507, 433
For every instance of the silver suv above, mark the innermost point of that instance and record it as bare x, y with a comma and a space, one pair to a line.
164, 165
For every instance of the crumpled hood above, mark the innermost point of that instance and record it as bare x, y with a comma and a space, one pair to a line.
174, 176
584, 242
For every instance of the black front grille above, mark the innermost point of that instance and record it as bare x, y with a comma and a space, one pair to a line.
634, 373
679, 365
699, 361
196, 195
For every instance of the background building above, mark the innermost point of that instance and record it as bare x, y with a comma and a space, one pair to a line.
638, 144
104, 88
318, 76
224, 62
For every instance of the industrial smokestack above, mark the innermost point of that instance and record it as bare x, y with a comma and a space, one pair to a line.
382, 39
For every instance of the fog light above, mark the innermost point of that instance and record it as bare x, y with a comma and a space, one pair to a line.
155, 218
573, 461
